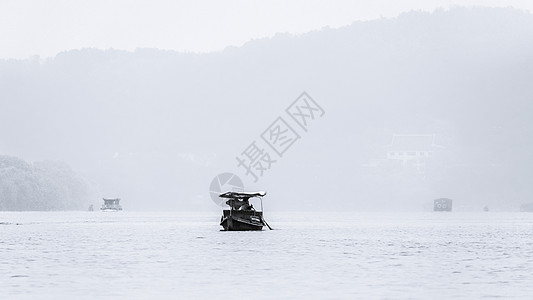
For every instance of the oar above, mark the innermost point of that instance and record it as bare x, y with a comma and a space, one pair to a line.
266, 223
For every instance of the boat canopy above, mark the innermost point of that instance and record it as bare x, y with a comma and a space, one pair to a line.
242, 195
111, 200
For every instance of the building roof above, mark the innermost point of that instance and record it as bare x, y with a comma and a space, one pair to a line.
413, 142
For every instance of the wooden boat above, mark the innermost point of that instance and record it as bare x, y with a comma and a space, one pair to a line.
242, 215
111, 204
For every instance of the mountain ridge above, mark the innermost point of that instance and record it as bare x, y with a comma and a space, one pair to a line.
124, 117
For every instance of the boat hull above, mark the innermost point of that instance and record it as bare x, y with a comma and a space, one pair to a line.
241, 220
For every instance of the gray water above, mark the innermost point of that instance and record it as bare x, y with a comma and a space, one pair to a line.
133, 255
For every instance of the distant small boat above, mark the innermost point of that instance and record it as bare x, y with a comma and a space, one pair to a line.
111, 204
442, 204
242, 215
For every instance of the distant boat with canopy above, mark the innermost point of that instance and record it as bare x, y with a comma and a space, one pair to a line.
242, 216
111, 204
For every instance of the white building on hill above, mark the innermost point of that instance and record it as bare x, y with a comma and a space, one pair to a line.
412, 149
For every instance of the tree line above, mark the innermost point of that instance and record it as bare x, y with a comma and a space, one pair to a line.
43, 185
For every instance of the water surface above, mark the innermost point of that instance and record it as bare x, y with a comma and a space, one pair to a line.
171, 255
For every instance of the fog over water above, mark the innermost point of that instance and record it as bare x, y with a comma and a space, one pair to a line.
154, 127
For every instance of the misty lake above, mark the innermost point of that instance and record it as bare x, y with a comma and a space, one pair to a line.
141, 255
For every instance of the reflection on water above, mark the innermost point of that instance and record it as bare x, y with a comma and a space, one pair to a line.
131, 255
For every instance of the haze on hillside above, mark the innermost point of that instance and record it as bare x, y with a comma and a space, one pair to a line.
154, 127
45, 28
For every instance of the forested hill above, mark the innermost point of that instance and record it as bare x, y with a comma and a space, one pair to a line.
154, 127
41, 186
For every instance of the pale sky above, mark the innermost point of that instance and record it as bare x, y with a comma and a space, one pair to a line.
45, 28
